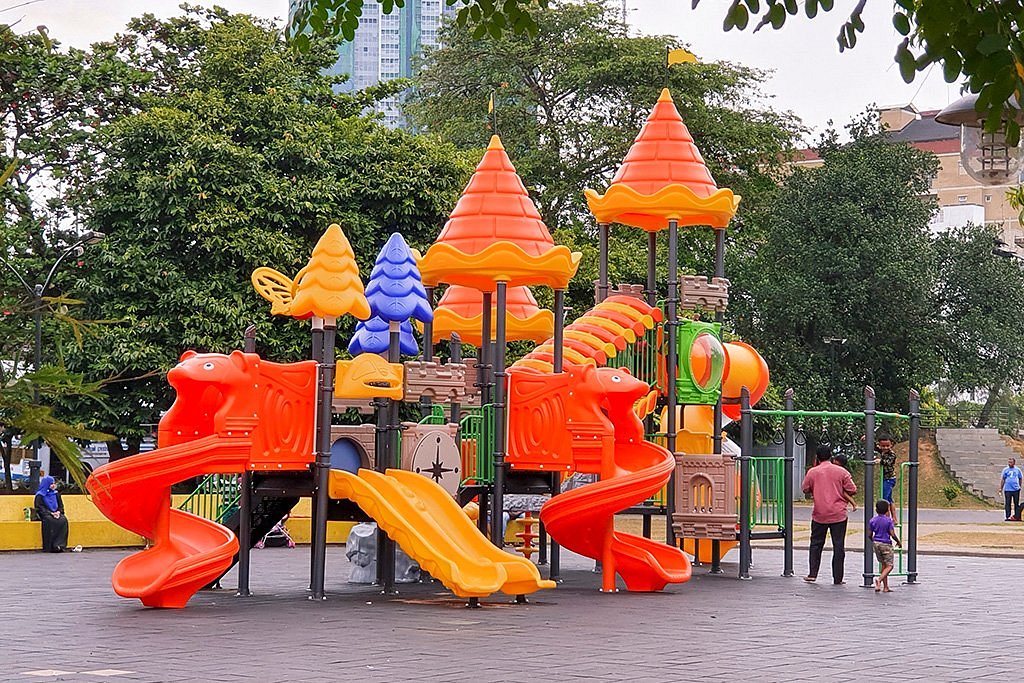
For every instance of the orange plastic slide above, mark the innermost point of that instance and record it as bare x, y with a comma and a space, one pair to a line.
231, 413
429, 525
583, 420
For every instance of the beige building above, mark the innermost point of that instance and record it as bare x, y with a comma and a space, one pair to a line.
960, 198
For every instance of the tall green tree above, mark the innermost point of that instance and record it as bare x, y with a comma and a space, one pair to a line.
979, 42
845, 254
981, 297
240, 156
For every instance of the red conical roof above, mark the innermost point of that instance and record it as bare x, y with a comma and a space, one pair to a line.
495, 207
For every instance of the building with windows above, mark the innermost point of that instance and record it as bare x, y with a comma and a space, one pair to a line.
960, 198
386, 45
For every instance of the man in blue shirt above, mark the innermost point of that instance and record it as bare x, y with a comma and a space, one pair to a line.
1010, 485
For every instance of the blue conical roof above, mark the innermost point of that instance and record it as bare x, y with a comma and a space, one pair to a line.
395, 290
374, 336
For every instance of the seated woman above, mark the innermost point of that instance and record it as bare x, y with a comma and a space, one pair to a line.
50, 510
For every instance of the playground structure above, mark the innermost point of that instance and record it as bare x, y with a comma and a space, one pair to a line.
587, 399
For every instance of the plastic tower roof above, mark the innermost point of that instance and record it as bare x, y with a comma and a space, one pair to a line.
460, 311
662, 178
329, 285
394, 289
495, 234
374, 336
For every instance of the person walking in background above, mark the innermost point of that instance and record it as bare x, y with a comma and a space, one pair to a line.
1010, 486
827, 483
50, 510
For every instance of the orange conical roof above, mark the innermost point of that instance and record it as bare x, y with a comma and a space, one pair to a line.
495, 234
496, 207
664, 154
662, 178
459, 311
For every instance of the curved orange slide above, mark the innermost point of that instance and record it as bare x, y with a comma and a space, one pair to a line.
231, 413
583, 420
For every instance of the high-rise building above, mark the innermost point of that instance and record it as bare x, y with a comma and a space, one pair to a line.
386, 45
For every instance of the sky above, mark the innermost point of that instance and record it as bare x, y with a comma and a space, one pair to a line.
811, 78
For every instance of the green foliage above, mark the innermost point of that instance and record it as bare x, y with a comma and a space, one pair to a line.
844, 252
979, 41
568, 105
239, 156
951, 492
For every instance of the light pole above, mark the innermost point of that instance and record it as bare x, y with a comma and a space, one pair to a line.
832, 343
36, 292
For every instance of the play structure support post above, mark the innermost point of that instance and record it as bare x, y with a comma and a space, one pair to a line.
455, 357
746, 449
428, 348
913, 464
244, 532
652, 269
787, 485
390, 455
497, 514
323, 458
554, 572
602, 264
484, 364
869, 483
719, 317
380, 447
672, 362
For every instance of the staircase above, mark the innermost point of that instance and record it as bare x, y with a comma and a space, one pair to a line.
975, 457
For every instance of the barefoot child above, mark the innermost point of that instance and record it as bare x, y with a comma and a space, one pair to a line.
883, 533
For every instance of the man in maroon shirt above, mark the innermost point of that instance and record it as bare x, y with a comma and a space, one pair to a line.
827, 482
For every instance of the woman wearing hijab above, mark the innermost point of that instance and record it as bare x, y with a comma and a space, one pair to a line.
50, 510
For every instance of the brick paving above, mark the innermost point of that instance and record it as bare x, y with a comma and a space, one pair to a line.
950, 627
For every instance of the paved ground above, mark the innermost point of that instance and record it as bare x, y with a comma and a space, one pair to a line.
61, 621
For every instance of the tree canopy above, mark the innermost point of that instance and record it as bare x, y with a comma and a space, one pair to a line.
979, 43
240, 155
844, 254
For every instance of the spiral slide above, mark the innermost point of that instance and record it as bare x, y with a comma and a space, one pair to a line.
430, 526
583, 420
188, 551
232, 413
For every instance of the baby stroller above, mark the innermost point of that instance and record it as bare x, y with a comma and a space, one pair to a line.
278, 537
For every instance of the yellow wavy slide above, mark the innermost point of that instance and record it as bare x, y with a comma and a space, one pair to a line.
430, 526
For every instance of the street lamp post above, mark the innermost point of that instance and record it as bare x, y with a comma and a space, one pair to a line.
36, 292
832, 343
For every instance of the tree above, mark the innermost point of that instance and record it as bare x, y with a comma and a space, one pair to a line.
51, 103
979, 41
240, 156
980, 297
568, 105
845, 255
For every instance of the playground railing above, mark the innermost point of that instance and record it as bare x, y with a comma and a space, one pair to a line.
476, 444
216, 497
645, 358
768, 498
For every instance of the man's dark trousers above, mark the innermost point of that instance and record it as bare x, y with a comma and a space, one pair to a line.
837, 530
1012, 503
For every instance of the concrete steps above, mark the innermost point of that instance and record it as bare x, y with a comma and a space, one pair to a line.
975, 457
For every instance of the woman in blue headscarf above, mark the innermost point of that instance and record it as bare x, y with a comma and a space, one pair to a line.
50, 510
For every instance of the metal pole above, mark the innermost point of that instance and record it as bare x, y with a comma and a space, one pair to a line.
37, 358
249, 339
672, 362
497, 514
391, 437
323, 460
913, 464
746, 448
485, 356
380, 464
558, 356
244, 532
719, 318
652, 269
602, 264
428, 350
869, 483
317, 354
787, 484
455, 357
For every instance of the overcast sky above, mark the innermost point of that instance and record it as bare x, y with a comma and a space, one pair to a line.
811, 78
